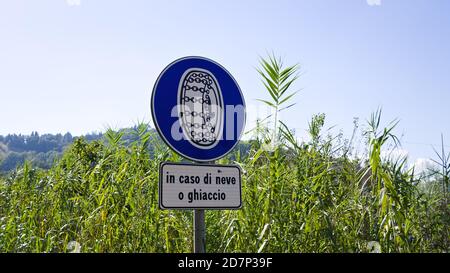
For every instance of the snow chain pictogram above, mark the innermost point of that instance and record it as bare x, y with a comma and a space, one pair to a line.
200, 107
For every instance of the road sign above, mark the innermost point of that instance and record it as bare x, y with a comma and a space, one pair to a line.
198, 108
199, 186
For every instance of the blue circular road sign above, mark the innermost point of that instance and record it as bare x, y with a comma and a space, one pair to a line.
198, 108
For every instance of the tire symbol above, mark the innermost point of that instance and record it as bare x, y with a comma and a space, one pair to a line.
200, 105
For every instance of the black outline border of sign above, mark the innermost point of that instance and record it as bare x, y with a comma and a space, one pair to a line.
156, 122
161, 165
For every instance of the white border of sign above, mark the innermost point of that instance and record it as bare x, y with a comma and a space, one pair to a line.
160, 182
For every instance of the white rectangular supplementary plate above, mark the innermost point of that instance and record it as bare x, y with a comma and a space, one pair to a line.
199, 186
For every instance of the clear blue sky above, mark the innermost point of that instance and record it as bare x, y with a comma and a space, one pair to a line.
83, 65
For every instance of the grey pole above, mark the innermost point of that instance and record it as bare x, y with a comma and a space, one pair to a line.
200, 226
199, 231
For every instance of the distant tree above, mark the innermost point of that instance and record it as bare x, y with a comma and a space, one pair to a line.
67, 139
32, 142
13, 160
93, 136
16, 142
3, 151
44, 160
3, 148
42, 151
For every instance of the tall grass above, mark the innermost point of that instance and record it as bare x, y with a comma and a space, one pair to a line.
298, 197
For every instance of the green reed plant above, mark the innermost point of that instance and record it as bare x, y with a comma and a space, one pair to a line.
277, 79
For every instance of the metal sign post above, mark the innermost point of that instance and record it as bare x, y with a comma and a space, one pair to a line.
199, 111
199, 231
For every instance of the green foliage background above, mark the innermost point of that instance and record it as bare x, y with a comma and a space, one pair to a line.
298, 199
102, 195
